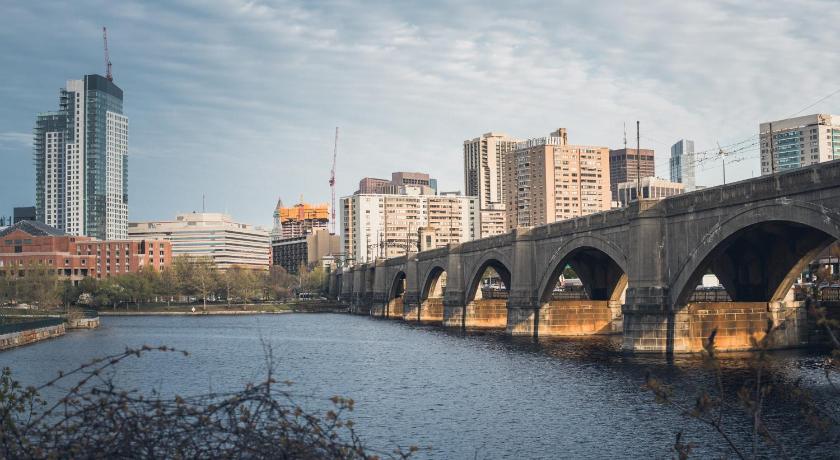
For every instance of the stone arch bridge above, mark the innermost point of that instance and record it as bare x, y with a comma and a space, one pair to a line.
639, 268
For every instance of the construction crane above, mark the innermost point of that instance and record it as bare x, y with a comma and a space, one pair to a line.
107, 56
332, 182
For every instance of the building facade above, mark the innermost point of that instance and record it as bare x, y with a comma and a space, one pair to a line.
682, 164
214, 235
389, 225
484, 167
299, 220
81, 161
653, 188
309, 250
623, 167
801, 141
401, 182
548, 180
24, 213
31, 245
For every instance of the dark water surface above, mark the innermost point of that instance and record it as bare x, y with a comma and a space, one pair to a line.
464, 395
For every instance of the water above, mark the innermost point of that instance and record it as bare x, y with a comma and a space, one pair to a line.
463, 395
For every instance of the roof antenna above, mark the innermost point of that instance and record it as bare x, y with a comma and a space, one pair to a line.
107, 56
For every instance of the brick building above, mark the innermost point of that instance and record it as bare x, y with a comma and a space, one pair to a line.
29, 244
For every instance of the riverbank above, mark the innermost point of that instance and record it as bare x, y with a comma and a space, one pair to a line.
233, 310
26, 332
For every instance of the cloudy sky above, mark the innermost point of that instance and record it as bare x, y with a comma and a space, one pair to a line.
239, 99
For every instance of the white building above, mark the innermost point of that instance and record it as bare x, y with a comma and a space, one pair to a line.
390, 225
653, 188
795, 142
682, 163
484, 168
213, 235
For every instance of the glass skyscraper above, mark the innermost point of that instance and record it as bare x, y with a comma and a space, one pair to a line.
682, 164
81, 161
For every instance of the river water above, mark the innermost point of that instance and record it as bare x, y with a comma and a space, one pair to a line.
459, 395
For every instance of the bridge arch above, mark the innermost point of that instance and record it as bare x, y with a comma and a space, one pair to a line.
592, 251
495, 260
758, 253
396, 294
430, 308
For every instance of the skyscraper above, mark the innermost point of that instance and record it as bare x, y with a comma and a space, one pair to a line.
484, 166
799, 141
682, 164
81, 161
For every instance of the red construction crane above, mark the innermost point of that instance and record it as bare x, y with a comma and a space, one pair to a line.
332, 182
107, 56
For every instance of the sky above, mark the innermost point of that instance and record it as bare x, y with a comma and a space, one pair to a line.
238, 100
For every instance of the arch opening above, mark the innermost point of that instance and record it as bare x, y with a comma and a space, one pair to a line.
396, 293
751, 277
582, 295
486, 299
430, 309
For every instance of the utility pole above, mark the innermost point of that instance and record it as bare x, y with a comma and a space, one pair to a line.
723, 161
638, 164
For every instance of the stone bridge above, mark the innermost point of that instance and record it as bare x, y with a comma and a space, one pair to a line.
639, 268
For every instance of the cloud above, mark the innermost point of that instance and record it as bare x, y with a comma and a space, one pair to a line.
239, 99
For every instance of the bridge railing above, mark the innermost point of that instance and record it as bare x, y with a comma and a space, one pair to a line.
494, 293
710, 295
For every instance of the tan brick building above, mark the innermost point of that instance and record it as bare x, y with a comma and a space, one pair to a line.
547, 180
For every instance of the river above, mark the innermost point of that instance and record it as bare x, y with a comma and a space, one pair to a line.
460, 395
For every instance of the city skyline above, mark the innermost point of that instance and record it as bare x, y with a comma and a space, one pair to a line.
295, 71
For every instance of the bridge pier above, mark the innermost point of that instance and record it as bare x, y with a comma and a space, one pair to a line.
453, 314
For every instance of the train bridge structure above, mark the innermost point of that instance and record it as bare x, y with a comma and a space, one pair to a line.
639, 268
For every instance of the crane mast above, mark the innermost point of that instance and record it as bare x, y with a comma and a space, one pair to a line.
107, 56
332, 182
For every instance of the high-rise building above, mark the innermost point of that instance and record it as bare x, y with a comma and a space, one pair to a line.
390, 225
312, 249
548, 180
25, 213
682, 164
209, 234
81, 161
299, 220
623, 167
799, 141
653, 188
484, 166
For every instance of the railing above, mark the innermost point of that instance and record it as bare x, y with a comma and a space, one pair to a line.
570, 294
710, 295
90, 314
28, 325
494, 293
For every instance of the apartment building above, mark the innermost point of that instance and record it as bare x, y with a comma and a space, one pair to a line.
389, 225
484, 166
547, 180
629, 164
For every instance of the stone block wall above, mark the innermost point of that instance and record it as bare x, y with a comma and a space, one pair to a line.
16, 339
431, 310
575, 317
486, 314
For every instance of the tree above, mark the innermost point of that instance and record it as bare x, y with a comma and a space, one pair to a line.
197, 275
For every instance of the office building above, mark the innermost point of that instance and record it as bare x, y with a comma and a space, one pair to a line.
682, 164
30, 245
81, 161
24, 213
795, 142
299, 220
213, 235
310, 250
548, 180
401, 182
653, 188
484, 166
623, 167
389, 225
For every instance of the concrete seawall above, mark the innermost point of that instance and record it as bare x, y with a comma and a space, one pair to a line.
16, 339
